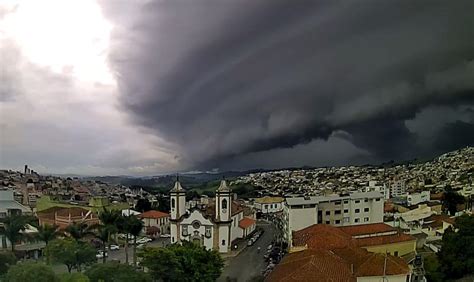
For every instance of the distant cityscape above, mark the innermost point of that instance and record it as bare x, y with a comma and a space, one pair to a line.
381, 215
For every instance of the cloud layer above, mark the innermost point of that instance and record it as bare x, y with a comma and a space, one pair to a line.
227, 80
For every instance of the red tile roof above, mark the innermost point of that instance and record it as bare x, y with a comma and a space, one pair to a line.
344, 264
365, 229
322, 236
153, 214
384, 240
246, 222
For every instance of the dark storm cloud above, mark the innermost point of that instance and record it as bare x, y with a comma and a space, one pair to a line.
226, 78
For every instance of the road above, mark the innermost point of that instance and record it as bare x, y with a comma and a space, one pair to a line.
249, 263
119, 255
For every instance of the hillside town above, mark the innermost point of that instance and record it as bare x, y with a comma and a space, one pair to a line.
355, 223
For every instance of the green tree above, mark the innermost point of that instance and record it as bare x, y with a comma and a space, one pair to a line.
135, 228
79, 230
187, 262
128, 225
143, 205
13, 227
432, 268
31, 271
47, 233
7, 259
73, 277
113, 271
456, 257
103, 234
451, 199
71, 253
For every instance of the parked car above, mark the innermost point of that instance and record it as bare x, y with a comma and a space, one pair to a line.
114, 247
101, 254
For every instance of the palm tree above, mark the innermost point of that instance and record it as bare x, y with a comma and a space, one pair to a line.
47, 233
123, 226
79, 230
135, 228
12, 228
103, 234
110, 219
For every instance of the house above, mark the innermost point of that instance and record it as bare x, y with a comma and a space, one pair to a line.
8, 205
155, 222
268, 205
418, 198
215, 225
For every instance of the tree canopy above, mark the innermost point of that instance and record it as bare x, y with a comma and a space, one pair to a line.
113, 271
71, 253
187, 262
456, 256
451, 200
7, 259
31, 271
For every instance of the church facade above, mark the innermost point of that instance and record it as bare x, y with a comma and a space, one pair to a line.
214, 225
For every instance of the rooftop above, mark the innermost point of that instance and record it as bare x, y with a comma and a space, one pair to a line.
154, 214
330, 198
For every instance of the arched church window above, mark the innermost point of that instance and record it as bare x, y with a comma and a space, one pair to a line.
172, 203
224, 204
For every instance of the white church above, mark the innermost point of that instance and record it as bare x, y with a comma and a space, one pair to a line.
215, 224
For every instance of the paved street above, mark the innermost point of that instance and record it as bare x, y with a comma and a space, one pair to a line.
249, 263
120, 254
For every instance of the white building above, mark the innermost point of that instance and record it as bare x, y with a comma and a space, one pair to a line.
215, 225
398, 188
417, 198
267, 205
376, 186
338, 210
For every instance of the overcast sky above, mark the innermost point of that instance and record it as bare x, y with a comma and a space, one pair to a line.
144, 87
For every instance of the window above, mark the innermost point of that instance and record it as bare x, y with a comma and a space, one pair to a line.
347, 219
208, 232
377, 200
196, 224
366, 219
337, 202
366, 209
395, 253
366, 200
357, 210
328, 212
338, 221
185, 230
357, 201
172, 203
337, 212
266, 207
223, 242
224, 205
346, 202
328, 222
346, 211
356, 220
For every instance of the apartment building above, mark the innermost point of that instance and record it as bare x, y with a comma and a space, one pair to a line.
398, 188
338, 210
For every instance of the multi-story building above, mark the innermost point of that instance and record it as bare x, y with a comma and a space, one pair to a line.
376, 186
338, 210
397, 188
267, 205
156, 222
